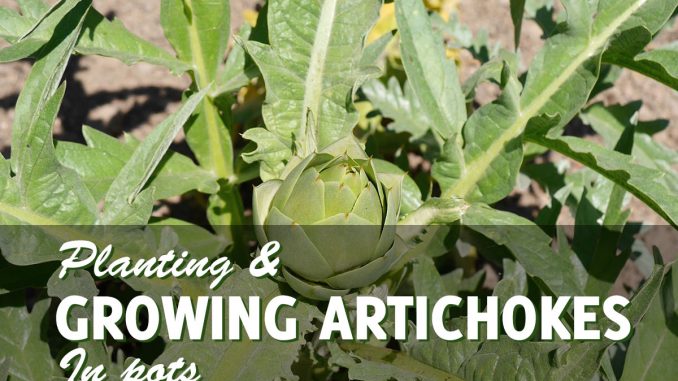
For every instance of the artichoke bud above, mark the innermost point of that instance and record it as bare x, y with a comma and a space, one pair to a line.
335, 218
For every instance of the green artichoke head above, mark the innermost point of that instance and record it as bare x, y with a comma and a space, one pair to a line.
335, 218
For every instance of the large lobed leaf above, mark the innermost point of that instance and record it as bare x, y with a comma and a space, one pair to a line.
610, 122
311, 68
399, 104
558, 83
529, 245
654, 346
199, 32
121, 204
644, 183
22, 343
99, 162
100, 36
432, 76
42, 191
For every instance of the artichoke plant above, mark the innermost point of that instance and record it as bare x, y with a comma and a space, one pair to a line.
335, 218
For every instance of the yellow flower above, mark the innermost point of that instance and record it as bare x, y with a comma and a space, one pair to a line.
385, 23
443, 7
250, 16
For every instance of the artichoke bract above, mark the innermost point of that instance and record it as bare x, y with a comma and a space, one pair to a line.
335, 219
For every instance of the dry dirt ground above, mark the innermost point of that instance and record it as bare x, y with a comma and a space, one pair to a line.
116, 98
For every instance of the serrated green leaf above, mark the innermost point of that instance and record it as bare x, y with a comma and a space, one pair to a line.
582, 359
529, 245
563, 74
311, 69
199, 32
666, 56
271, 151
99, 163
238, 69
432, 76
513, 282
609, 122
43, 192
426, 281
400, 105
508, 359
655, 341
644, 183
489, 71
45, 78
120, 198
598, 228
81, 283
111, 38
481, 132
21, 341
264, 359
635, 33
658, 64
13, 24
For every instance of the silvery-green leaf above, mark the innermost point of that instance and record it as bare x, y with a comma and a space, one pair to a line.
130, 181
199, 32
13, 24
444, 355
513, 282
658, 64
609, 122
529, 245
643, 182
33, 9
81, 283
21, 341
626, 48
562, 76
99, 162
508, 359
400, 105
43, 192
311, 69
238, 69
111, 39
432, 76
598, 229
582, 359
483, 129
655, 342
